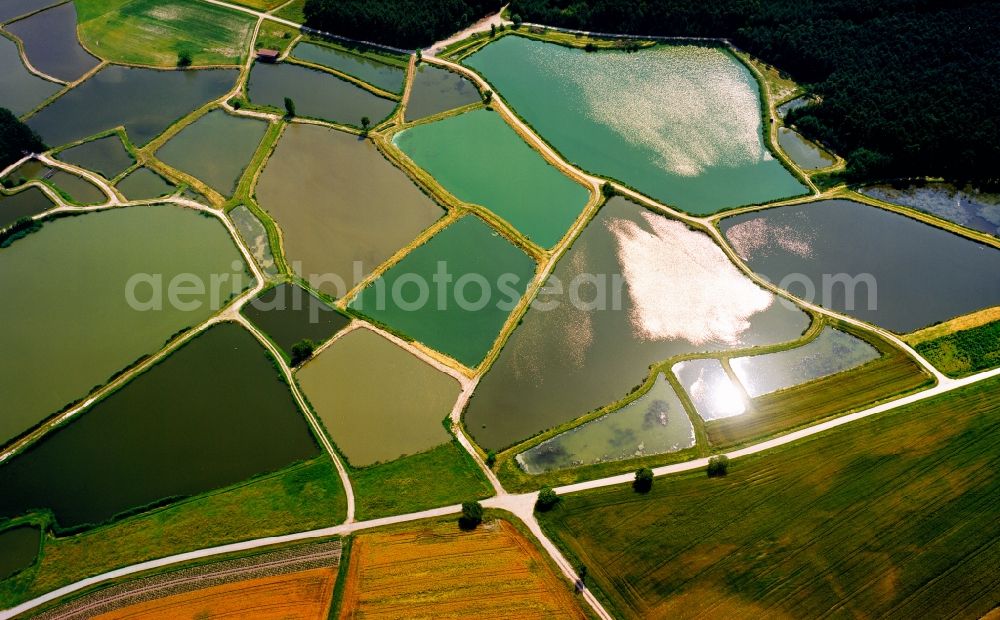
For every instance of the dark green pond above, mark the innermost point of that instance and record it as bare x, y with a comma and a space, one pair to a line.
106, 156
51, 45
378, 401
532, 195
146, 101
386, 77
876, 265
571, 356
79, 190
435, 90
18, 548
214, 413
343, 209
20, 90
678, 123
316, 94
807, 155
215, 149
143, 184
288, 313
71, 325
25, 203
461, 319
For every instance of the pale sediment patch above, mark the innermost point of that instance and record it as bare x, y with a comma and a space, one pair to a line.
682, 285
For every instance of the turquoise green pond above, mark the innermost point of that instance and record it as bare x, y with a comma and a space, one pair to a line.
254, 235
25, 203
215, 149
631, 292
20, 90
806, 155
436, 90
145, 101
461, 318
105, 156
144, 184
462, 153
678, 123
18, 548
831, 352
287, 313
384, 76
316, 94
654, 423
712, 392
51, 44
214, 413
71, 325
342, 208
378, 401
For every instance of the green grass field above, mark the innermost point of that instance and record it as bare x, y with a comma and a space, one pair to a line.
260, 5
441, 476
293, 12
894, 515
964, 352
302, 497
155, 32
893, 373
275, 36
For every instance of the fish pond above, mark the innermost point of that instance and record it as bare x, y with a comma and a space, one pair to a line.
831, 352
144, 184
379, 74
18, 548
377, 400
316, 94
678, 123
76, 189
631, 293
461, 319
25, 203
20, 90
806, 154
145, 101
532, 195
793, 104
72, 324
966, 207
436, 90
9, 9
870, 263
212, 414
712, 392
343, 209
215, 149
288, 313
51, 45
255, 236
654, 423
106, 156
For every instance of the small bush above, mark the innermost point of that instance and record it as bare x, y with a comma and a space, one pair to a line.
184, 59
491, 458
289, 107
302, 350
718, 466
472, 515
643, 480
547, 500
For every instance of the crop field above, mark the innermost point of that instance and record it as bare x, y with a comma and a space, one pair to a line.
439, 477
154, 32
964, 352
785, 410
300, 596
301, 497
438, 571
890, 516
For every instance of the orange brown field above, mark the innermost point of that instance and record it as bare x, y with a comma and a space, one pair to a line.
438, 571
304, 595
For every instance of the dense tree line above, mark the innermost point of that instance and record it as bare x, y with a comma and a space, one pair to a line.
401, 23
907, 87
16, 138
